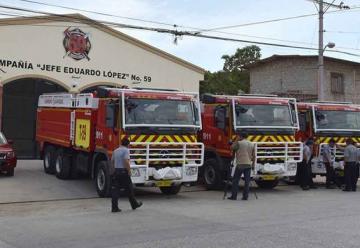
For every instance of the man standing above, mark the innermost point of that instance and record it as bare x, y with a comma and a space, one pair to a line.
244, 157
306, 181
120, 163
327, 159
350, 159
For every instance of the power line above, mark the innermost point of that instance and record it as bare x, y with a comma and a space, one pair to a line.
98, 13
270, 20
175, 25
176, 33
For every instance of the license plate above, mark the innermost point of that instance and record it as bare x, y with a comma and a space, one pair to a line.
164, 183
268, 177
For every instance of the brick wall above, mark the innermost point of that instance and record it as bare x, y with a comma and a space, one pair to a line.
297, 77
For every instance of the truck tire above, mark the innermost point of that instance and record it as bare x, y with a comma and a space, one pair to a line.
212, 174
74, 172
267, 184
102, 179
49, 160
62, 165
173, 190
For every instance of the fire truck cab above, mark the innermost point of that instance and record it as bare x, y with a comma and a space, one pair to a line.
323, 121
270, 123
77, 133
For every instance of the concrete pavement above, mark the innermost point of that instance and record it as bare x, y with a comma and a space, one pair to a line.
283, 217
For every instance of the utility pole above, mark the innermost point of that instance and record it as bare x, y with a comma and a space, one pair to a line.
321, 93
322, 11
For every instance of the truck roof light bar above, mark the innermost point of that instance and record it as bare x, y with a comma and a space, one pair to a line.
210, 98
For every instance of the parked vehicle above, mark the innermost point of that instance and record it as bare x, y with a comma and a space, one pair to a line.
270, 123
7, 156
323, 121
78, 132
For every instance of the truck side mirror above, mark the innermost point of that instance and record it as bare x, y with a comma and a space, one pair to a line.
110, 115
220, 118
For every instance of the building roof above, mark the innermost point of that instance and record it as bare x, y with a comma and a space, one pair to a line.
276, 57
85, 20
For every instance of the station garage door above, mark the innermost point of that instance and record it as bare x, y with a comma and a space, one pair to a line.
19, 104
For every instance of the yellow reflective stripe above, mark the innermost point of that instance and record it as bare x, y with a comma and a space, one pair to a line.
178, 138
273, 138
186, 138
280, 138
170, 139
256, 139
158, 139
141, 137
250, 137
150, 139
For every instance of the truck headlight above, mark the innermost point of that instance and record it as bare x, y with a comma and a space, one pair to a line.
135, 172
191, 170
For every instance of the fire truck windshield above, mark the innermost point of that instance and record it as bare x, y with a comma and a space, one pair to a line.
147, 112
337, 120
254, 116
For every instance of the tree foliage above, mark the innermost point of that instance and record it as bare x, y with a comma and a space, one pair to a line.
235, 77
241, 58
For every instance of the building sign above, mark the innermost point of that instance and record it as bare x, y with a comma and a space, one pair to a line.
76, 43
73, 71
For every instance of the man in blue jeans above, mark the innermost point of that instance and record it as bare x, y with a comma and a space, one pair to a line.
244, 158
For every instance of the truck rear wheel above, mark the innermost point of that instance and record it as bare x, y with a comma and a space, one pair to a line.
212, 174
267, 184
49, 160
62, 165
102, 179
173, 190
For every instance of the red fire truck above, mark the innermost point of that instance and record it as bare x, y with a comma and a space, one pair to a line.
270, 123
323, 121
78, 132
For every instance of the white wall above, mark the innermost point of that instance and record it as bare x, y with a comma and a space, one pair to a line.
42, 44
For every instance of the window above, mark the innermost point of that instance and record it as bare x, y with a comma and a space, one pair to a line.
337, 83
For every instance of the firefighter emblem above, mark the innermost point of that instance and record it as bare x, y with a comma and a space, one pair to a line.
76, 43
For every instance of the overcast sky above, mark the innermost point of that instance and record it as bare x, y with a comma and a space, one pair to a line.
343, 27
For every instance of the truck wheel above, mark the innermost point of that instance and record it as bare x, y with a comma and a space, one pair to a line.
102, 179
49, 160
173, 190
267, 184
62, 165
212, 174
10, 173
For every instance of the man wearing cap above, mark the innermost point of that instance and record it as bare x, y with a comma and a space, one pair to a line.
120, 163
244, 157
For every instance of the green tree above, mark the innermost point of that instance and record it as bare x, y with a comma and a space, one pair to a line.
235, 77
241, 58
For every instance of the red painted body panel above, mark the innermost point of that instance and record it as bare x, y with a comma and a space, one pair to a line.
9, 162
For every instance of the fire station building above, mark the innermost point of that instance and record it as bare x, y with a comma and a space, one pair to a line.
72, 53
